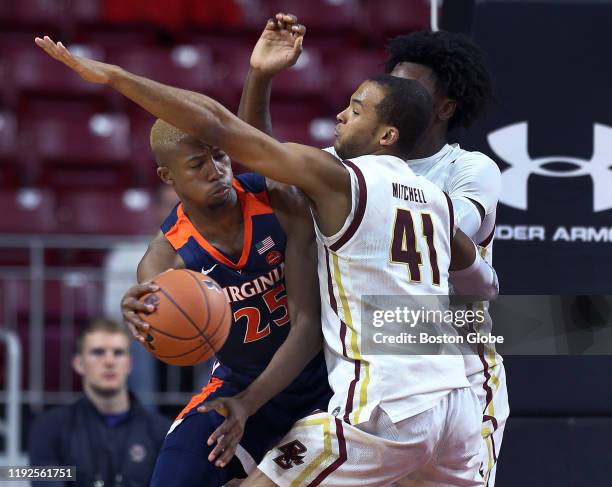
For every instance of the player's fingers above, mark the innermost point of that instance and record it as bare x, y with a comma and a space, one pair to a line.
270, 24
221, 431
279, 20
227, 455
228, 451
133, 304
224, 450
298, 29
139, 290
289, 19
132, 318
297, 45
46, 45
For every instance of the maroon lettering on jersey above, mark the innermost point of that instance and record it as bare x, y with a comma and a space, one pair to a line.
292, 454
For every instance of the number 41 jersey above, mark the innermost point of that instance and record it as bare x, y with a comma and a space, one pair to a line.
254, 285
395, 242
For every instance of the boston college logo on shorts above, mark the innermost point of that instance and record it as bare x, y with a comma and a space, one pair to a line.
292, 454
510, 143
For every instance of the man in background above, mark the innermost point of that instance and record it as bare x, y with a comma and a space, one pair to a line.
107, 434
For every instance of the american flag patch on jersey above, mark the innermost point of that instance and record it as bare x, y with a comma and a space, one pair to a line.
265, 245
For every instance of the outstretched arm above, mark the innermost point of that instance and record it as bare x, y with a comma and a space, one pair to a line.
305, 337
310, 169
277, 49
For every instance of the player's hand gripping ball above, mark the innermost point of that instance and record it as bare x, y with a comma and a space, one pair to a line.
192, 317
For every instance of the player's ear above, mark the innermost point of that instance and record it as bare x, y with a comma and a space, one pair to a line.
165, 175
447, 109
390, 137
77, 364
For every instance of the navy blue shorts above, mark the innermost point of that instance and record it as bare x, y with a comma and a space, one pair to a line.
183, 459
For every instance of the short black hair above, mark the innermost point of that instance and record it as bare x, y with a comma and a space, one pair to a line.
406, 106
457, 62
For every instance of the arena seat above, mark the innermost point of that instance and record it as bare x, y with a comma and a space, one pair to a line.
87, 151
53, 12
349, 71
142, 161
8, 149
31, 71
390, 17
105, 212
186, 66
306, 78
27, 211
321, 15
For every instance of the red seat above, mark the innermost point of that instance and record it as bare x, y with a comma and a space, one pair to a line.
105, 212
323, 15
349, 71
306, 78
186, 66
8, 149
82, 151
32, 71
54, 12
397, 16
27, 211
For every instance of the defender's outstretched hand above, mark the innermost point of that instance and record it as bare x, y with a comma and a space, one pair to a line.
279, 45
88, 69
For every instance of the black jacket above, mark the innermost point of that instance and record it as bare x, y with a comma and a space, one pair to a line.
78, 435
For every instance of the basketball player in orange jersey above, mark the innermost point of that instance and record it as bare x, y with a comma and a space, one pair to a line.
451, 67
380, 229
255, 238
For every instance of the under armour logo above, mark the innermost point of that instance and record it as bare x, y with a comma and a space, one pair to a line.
510, 144
292, 454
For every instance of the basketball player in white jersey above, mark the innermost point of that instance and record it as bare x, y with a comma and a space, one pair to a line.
380, 230
451, 67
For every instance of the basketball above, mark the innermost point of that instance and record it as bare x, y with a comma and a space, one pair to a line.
192, 319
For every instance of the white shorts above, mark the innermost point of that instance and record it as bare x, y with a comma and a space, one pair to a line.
438, 447
490, 387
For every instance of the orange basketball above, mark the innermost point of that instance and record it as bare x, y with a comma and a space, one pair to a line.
192, 319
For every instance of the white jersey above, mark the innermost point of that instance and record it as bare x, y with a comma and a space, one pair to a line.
469, 176
393, 211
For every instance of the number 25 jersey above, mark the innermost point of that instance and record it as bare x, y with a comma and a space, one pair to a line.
254, 285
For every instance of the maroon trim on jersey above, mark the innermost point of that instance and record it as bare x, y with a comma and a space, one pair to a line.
334, 304
339, 461
359, 212
348, 408
451, 214
489, 395
487, 240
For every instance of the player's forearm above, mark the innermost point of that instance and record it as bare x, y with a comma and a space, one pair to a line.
255, 101
478, 282
193, 113
301, 346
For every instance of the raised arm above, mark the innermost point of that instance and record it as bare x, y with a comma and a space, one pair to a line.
277, 49
305, 336
314, 171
